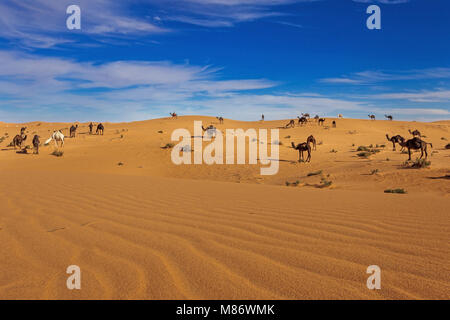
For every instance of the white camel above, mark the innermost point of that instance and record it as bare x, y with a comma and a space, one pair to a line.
56, 136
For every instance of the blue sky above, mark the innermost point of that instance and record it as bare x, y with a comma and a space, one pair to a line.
141, 59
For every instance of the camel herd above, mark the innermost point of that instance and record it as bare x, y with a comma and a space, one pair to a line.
415, 143
57, 136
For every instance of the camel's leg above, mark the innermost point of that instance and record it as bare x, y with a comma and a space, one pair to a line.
309, 156
426, 153
393, 145
409, 153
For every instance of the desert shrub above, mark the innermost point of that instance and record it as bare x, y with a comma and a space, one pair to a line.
374, 171
168, 146
333, 151
58, 153
420, 163
447, 146
287, 137
362, 148
160, 131
294, 184
324, 183
364, 154
400, 191
120, 164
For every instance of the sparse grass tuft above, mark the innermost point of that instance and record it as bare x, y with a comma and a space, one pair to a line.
333, 151
294, 184
400, 191
375, 171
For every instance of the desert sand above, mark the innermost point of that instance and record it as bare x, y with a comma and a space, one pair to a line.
148, 229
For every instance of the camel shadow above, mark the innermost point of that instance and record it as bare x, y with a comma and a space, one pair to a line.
446, 177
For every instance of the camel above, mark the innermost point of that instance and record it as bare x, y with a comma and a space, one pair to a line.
389, 117
36, 143
302, 121
340, 116
290, 124
312, 140
91, 125
18, 140
333, 124
22, 130
173, 115
301, 147
321, 121
73, 130
372, 116
220, 120
396, 139
56, 136
416, 144
317, 117
262, 117
306, 115
100, 129
210, 130
415, 133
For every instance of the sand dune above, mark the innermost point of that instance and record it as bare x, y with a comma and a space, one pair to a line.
148, 229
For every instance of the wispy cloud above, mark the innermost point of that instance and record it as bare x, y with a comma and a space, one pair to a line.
370, 77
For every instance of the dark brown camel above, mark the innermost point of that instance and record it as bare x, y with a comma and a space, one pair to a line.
220, 120
173, 115
395, 139
22, 131
321, 121
416, 144
73, 130
36, 144
415, 133
302, 120
91, 125
372, 116
301, 147
18, 140
100, 129
311, 140
290, 124
389, 117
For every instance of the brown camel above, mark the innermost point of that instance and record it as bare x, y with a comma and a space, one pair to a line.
100, 129
301, 147
311, 140
36, 144
389, 117
306, 115
415, 133
290, 124
91, 125
416, 144
372, 116
220, 120
73, 130
395, 139
173, 115
22, 130
321, 121
18, 140
302, 120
